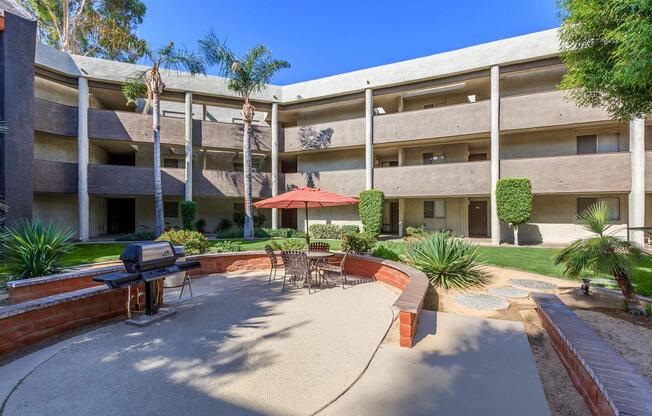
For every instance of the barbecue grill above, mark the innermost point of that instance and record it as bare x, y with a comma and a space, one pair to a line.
145, 263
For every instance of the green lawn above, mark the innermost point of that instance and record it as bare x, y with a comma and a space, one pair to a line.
537, 260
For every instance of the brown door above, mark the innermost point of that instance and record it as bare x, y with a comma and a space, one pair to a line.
121, 216
477, 218
289, 218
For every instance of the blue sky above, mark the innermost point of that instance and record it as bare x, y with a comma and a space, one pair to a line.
322, 38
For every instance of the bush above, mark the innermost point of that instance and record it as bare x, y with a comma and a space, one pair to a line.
415, 233
348, 229
328, 231
239, 219
139, 236
385, 252
193, 241
188, 214
32, 249
259, 220
359, 243
230, 233
514, 202
279, 232
224, 224
200, 225
451, 263
370, 207
227, 247
288, 244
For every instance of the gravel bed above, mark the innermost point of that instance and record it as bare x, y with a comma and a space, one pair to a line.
532, 284
508, 292
482, 301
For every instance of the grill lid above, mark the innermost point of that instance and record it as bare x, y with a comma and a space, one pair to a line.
140, 257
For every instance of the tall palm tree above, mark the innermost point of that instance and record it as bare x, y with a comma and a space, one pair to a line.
149, 83
603, 253
247, 74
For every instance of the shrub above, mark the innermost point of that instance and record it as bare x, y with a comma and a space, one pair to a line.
193, 241
239, 219
224, 224
415, 233
226, 246
348, 229
200, 225
138, 236
288, 244
370, 207
279, 232
386, 252
514, 202
32, 249
328, 231
259, 220
230, 233
451, 263
359, 243
188, 214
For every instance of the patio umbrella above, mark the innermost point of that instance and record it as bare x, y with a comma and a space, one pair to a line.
306, 198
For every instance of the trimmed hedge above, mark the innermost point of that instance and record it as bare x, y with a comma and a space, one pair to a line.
514, 200
331, 231
188, 214
359, 243
370, 206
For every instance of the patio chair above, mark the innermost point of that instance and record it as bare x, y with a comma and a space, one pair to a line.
297, 267
319, 247
274, 261
329, 269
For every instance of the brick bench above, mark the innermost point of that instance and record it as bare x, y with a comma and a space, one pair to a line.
609, 384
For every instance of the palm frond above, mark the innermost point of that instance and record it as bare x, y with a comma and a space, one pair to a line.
218, 54
595, 218
135, 87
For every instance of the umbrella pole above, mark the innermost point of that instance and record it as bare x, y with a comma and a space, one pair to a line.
307, 234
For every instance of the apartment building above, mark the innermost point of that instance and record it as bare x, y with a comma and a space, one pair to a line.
434, 134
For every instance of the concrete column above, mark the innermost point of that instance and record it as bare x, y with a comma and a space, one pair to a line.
495, 151
401, 156
369, 138
401, 216
188, 193
82, 157
274, 161
637, 193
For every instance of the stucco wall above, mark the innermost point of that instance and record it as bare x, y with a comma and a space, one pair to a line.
344, 215
454, 215
63, 210
61, 149
331, 160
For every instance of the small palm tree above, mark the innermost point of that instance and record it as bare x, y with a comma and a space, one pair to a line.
149, 83
603, 253
245, 75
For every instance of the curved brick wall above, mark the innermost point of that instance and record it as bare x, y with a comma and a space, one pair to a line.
49, 305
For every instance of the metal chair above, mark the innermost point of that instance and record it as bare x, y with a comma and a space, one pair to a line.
319, 247
274, 261
297, 267
329, 269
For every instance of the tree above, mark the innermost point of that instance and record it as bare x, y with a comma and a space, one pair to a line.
603, 253
98, 28
514, 202
149, 83
246, 74
370, 208
607, 48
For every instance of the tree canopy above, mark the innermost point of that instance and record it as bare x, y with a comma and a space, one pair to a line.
514, 200
607, 47
98, 28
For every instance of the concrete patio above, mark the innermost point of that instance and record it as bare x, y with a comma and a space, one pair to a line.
243, 347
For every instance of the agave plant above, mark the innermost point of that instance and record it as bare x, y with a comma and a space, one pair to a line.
32, 248
449, 262
603, 253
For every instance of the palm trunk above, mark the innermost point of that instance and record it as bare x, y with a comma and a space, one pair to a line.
635, 306
246, 162
158, 188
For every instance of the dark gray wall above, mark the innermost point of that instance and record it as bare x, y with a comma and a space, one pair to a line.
17, 48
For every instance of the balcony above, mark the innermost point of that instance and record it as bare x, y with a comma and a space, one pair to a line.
133, 180
55, 177
342, 133
344, 182
230, 184
61, 120
597, 173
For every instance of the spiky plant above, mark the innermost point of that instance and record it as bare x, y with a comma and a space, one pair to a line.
449, 262
603, 253
149, 84
32, 248
247, 74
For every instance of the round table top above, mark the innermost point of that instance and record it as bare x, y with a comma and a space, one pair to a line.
319, 254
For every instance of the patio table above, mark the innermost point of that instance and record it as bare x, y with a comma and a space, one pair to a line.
316, 257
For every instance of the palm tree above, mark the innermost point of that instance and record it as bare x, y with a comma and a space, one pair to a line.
603, 253
149, 83
247, 74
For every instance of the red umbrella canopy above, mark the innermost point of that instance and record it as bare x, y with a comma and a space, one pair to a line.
306, 198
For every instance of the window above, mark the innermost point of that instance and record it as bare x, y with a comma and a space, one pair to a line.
584, 203
389, 164
433, 158
171, 209
434, 209
171, 163
597, 143
239, 166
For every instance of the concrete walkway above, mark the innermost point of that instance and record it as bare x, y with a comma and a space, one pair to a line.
460, 366
243, 348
